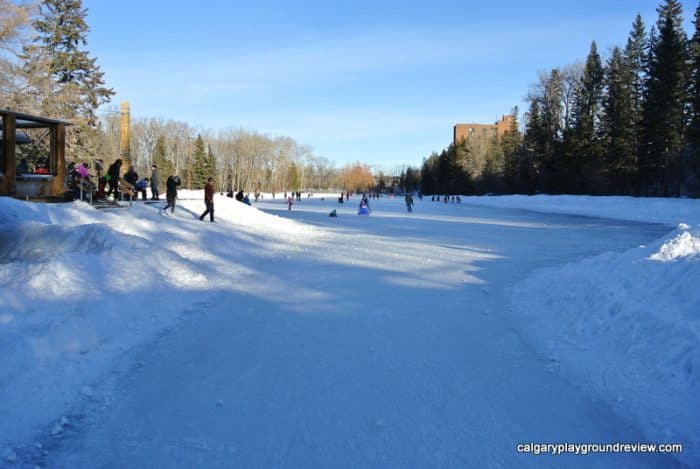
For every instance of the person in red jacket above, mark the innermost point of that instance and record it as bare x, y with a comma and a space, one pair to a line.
209, 200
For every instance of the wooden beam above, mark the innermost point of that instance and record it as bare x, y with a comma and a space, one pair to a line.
8, 142
58, 155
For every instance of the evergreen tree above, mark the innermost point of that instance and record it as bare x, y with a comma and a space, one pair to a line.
451, 179
552, 132
76, 86
511, 144
199, 171
411, 179
446, 170
159, 158
552, 112
293, 177
691, 162
534, 146
694, 67
636, 54
663, 114
544, 131
211, 167
430, 174
617, 123
585, 144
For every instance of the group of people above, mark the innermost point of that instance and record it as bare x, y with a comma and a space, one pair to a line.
447, 198
111, 181
296, 195
108, 183
112, 177
40, 167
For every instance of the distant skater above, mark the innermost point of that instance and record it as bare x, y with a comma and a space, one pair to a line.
209, 200
409, 202
171, 192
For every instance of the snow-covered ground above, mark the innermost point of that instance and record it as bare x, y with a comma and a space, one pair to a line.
283, 338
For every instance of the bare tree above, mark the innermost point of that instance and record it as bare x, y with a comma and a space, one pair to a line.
14, 35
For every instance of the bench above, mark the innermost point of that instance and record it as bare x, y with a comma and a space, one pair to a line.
86, 187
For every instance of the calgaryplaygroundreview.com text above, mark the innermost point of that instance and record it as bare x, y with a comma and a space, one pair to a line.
589, 448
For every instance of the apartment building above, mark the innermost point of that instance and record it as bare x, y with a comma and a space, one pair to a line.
464, 131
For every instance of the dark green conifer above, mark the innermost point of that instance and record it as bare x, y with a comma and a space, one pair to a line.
663, 119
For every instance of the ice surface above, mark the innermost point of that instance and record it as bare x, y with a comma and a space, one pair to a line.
291, 339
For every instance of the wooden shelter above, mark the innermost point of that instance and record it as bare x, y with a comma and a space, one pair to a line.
32, 155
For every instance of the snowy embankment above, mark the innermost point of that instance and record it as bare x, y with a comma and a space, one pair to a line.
626, 325
80, 287
646, 210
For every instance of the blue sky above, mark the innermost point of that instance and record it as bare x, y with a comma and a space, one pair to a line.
371, 81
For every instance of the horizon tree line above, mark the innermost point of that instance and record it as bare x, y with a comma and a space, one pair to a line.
626, 125
46, 69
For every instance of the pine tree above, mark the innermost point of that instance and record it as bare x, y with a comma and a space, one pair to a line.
293, 177
585, 145
617, 123
691, 162
636, 54
452, 178
545, 131
159, 158
694, 69
77, 86
199, 171
511, 144
663, 114
411, 179
211, 165
429, 174
534, 146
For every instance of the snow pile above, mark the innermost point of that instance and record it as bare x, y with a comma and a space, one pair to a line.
627, 327
643, 209
686, 244
78, 287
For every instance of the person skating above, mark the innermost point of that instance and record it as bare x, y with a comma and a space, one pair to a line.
171, 192
132, 177
113, 180
364, 206
409, 202
209, 200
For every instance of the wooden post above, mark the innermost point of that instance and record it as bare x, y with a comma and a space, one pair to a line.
8, 135
3, 179
58, 157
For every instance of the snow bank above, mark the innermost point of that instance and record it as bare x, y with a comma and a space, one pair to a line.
627, 326
78, 287
684, 245
642, 209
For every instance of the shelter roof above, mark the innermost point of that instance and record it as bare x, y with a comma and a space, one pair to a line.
27, 121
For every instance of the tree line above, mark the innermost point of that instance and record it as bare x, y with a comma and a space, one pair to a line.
46, 69
629, 125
